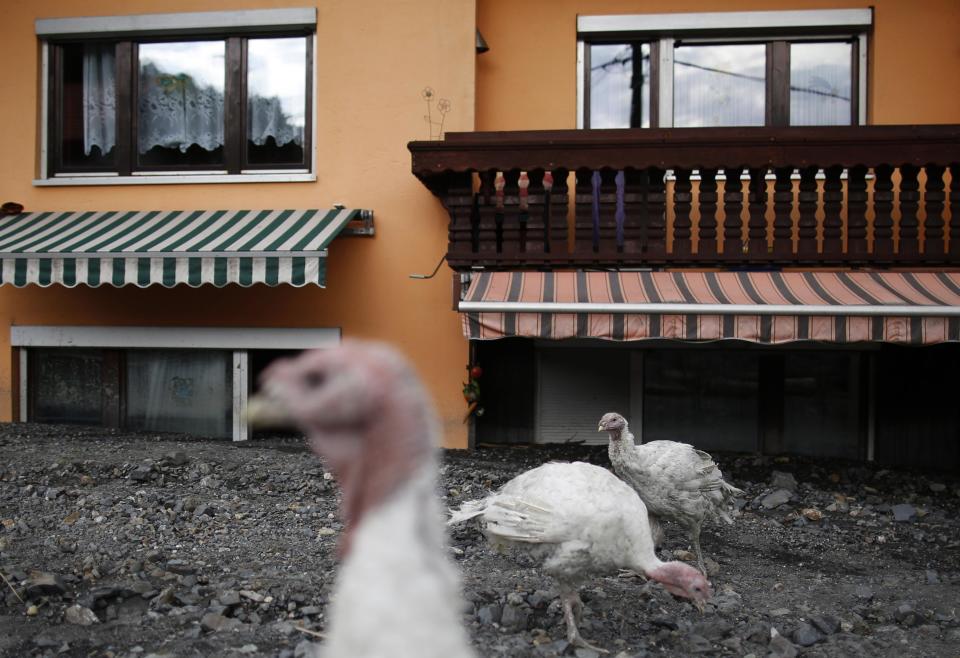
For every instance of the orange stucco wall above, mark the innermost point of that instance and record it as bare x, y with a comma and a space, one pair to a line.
374, 58
527, 80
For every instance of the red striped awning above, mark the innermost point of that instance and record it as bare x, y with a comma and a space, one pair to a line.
760, 307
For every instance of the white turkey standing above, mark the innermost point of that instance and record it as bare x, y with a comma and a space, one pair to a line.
365, 412
581, 520
675, 480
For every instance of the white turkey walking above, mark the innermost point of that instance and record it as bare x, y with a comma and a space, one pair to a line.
581, 520
366, 414
675, 480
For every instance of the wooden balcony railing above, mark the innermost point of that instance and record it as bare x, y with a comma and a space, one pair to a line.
870, 196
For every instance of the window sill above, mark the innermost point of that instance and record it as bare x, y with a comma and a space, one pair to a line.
178, 179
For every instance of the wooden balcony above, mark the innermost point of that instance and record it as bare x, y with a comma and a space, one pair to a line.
870, 196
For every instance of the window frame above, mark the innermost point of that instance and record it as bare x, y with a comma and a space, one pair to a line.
777, 29
235, 28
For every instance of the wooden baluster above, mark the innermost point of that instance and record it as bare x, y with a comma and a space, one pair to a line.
955, 211
807, 200
509, 227
757, 243
934, 198
636, 183
883, 212
857, 212
656, 214
782, 210
707, 229
682, 204
557, 213
534, 200
732, 207
608, 216
491, 207
583, 220
909, 246
462, 205
832, 209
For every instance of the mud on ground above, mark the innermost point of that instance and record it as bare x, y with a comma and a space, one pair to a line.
136, 545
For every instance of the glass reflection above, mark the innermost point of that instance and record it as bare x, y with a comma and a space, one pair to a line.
721, 85
180, 118
618, 98
276, 104
820, 84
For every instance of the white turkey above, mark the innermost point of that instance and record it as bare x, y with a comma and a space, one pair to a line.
675, 480
580, 520
365, 412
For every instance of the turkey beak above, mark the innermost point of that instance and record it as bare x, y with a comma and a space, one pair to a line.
600, 427
266, 409
699, 605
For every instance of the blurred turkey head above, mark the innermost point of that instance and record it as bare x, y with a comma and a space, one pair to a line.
683, 581
364, 412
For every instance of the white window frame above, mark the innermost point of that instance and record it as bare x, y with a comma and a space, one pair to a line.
239, 340
666, 28
185, 24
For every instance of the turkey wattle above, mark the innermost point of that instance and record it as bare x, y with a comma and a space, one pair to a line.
675, 480
580, 520
365, 412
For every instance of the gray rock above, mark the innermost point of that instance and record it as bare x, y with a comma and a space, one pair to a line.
781, 647
583, 652
781, 480
775, 499
489, 614
906, 615
176, 458
141, 473
77, 614
806, 635
933, 578
937, 487
863, 592
42, 583
229, 597
903, 512
306, 649
826, 624
514, 617
180, 567
698, 644
215, 622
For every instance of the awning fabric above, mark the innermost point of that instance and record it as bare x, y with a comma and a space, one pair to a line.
760, 307
168, 248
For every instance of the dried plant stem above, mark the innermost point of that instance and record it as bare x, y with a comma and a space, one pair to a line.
309, 632
11, 588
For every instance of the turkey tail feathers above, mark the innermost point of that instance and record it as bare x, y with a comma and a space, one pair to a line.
468, 510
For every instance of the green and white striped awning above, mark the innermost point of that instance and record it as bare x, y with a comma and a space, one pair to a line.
168, 248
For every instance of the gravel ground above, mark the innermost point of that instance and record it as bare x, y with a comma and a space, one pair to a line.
136, 545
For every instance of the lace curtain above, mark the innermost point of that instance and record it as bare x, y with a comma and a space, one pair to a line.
266, 118
99, 98
176, 112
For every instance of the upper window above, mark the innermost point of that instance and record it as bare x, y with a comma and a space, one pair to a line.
801, 68
205, 101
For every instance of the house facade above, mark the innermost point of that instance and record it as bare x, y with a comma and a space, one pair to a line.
736, 224
207, 185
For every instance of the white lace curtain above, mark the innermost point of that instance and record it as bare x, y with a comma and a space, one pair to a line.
99, 98
174, 111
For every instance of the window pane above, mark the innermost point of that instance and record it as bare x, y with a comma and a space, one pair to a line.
181, 103
619, 98
277, 100
821, 76
67, 386
719, 85
179, 391
89, 112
